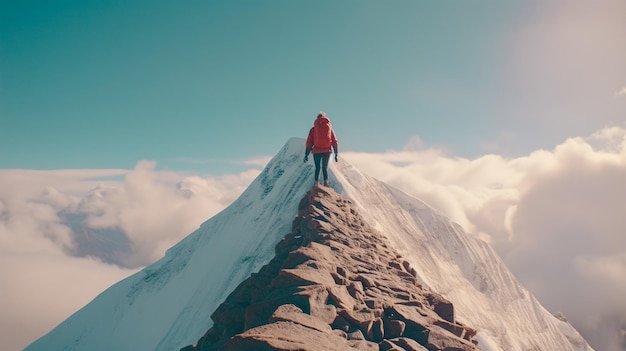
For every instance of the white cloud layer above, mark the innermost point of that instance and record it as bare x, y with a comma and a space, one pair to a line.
555, 216
43, 278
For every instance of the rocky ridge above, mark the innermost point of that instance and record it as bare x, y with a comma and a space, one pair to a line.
335, 283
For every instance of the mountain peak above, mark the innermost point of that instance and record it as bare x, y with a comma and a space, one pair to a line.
167, 305
335, 283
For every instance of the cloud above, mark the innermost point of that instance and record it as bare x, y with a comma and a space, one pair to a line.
33, 257
414, 144
555, 216
41, 289
568, 229
45, 214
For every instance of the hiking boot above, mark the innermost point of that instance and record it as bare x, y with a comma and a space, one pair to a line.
326, 182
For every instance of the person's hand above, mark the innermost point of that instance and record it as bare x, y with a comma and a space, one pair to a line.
336, 157
306, 158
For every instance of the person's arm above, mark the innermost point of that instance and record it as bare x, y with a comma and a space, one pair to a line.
309, 145
334, 145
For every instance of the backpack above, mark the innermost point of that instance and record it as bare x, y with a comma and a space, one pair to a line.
322, 133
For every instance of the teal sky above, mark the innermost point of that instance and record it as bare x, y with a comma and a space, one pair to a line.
202, 85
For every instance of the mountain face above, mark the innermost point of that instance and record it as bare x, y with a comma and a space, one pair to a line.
334, 284
168, 304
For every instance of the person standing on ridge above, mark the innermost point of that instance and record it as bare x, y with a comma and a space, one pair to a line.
322, 142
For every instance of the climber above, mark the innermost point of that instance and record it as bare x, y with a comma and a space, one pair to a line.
322, 142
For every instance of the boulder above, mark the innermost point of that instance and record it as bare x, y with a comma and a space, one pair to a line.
408, 344
291, 313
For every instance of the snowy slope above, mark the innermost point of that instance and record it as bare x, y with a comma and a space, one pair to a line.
168, 304
464, 269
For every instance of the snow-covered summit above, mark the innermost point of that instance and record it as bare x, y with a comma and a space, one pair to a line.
164, 307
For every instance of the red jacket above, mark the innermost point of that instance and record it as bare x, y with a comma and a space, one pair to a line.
318, 150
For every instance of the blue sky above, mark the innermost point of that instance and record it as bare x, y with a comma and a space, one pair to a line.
203, 85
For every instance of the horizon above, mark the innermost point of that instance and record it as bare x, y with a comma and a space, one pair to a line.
509, 118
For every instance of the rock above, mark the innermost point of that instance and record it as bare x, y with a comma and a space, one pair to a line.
229, 319
394, 328
458, 330
285, 336
339, 280
342, 272
408, 344
375, 330
357, 335
302, 276
396, 265
291, 313
318, 306
342, 334
359, 319
441, 339
387, 345
362, 345
367, 281
355, 289
334, 284
340, 323
260, 313
442, 307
